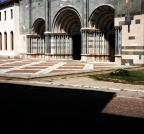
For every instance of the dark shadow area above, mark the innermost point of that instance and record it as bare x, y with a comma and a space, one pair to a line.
112, 47
31, 109
76, 47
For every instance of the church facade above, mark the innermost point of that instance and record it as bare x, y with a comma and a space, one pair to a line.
86, 30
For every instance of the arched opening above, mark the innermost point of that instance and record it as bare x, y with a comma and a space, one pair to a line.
39, 27
11, 41
0, 41
5, 41
36, 39
68, 21
102, 19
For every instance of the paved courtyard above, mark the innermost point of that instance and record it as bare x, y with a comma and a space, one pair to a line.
33, 68
66, 104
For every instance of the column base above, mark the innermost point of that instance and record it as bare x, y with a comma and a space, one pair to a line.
22, 55
118, 59
35, 55
95, 58
58, 57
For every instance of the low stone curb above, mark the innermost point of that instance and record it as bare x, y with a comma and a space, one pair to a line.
74, 86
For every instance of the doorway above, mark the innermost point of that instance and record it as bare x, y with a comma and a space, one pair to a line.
112, 47
76, 52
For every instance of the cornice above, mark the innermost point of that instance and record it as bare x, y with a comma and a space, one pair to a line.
8, 3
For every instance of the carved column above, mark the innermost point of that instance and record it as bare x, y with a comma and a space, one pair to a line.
37, 45
58, 45
84, 42
31, 46
107, 45
118, 43
71, 45
28, 45
52, 44
120, 40
97, 42
116, 40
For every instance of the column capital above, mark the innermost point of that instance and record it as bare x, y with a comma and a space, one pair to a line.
33, 36
90, 30
118, 27
55, 34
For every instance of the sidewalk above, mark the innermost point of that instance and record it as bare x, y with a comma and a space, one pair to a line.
83, 83
86, 82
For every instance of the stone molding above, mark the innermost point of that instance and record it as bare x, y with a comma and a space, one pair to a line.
33, 36
89, 30
55, 34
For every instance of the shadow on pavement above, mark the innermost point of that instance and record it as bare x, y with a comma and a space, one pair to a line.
32, 109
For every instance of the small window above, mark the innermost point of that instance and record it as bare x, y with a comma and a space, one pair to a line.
137, 21
131, 37
4, 15
11, 12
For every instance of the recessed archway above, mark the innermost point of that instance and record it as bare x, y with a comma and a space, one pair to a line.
102, 19
36, 39
68, 21
39, 27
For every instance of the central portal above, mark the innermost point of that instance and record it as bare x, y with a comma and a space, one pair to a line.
76, 47
66, 37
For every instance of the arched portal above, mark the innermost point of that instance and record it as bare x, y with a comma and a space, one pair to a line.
39, 27
67, 24
102, 19
36, 39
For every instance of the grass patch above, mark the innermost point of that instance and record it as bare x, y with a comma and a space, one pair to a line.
122, 76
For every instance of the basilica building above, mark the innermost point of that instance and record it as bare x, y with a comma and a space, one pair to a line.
85, 30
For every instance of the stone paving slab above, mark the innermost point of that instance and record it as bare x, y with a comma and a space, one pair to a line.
60, 71
23, 71
71, 67
29, 68
5, 67
35, 67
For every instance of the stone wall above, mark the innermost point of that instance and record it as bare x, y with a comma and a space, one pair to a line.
133, 42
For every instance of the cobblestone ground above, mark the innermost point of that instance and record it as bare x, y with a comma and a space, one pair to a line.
130, 107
